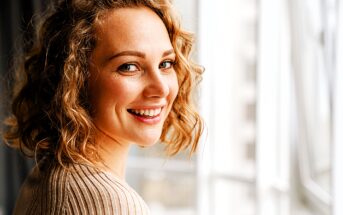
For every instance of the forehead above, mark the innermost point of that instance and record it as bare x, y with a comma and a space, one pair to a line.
136, 27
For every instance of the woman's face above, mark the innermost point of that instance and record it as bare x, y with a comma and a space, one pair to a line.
133, 84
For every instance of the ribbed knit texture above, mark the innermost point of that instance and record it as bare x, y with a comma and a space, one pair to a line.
80, 190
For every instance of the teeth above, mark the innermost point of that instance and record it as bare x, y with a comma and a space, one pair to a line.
151, 112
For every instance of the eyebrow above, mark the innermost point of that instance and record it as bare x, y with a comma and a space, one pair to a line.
137, 53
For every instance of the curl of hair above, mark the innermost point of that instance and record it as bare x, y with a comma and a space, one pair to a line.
51, 115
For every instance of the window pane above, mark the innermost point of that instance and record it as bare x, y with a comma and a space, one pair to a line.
321, 144
233, 197
166, 192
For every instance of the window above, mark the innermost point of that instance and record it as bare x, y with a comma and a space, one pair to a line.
314, 73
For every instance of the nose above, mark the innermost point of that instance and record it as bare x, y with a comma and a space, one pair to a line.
156, 84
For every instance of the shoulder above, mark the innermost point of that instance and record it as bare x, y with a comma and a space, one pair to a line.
101, 193
44, 191
77, 189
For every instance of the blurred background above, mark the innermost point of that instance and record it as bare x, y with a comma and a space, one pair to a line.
272, 99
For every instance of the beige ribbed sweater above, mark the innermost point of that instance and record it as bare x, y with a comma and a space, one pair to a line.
81, 190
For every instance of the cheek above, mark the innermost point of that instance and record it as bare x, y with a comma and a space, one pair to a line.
108, 93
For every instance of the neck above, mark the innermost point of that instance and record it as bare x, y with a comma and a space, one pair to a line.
113, 154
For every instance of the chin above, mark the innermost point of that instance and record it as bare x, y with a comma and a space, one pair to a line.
147, 144
147, 139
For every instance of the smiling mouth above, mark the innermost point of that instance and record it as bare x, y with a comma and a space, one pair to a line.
146, 113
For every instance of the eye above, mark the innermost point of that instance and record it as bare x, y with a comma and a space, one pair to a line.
128, 67
167, 64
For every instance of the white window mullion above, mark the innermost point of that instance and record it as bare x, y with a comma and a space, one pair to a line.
338, 121
273, 109
205, 198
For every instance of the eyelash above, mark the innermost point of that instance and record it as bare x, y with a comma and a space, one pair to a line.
124, 67
172, 63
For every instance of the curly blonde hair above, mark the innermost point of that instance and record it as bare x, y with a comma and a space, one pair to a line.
51, 115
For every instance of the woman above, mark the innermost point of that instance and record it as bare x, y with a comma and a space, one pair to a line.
101, 76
